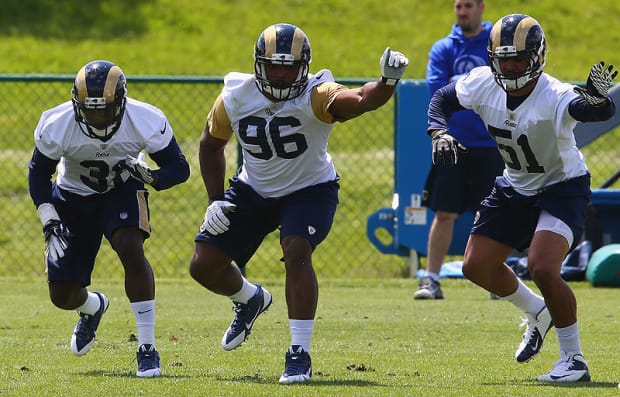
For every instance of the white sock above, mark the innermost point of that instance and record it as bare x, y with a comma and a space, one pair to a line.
91, 305
246, 292
568, 337
301, 333
433, 276
144, 312
525, 299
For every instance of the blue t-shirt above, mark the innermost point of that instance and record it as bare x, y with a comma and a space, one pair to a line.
450, 58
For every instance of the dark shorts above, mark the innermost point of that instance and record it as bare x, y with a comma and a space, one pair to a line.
462, 187
89, 218
511, 218
308, 213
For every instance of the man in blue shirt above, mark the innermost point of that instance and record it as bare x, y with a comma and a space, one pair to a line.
449, 191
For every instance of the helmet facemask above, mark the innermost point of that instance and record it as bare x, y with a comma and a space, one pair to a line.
286, 45
515, 36
99, 98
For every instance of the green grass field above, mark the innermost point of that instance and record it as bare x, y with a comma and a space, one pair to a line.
371, 339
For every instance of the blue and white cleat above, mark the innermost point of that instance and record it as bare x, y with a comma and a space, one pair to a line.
84, 333
569, 369
148, 362
247, 313
537, 327
298, 367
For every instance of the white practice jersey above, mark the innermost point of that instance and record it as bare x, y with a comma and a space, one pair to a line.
536, 140
284, 143
88, 165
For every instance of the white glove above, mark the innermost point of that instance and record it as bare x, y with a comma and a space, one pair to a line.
393, 65
599, 81
56, 233
216, 221
138, 168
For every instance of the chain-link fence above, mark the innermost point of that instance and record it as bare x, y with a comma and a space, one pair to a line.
362, 150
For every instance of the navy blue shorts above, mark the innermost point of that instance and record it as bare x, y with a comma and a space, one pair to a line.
511, 218
89, 218
308, 213
462, 187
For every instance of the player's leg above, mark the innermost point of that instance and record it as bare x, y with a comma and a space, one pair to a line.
506, 221
444, 193
215, 258
126, 223
69, 277
549, 247
306, 219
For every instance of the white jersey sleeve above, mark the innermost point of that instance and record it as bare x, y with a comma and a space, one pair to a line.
284, 143
536, 139
89, 166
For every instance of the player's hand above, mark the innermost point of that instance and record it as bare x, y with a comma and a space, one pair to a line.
599, 81
56, 233
393, 65
446, 149
138, 168
216, 221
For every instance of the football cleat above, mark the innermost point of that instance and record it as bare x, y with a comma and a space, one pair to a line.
84, 333
537, 327
247, 313
429, 289
148, 361
298, 366
569, 369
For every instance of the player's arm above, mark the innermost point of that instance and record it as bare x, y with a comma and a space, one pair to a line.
594, 102
215, 135
173, 166
212, 158
442, 105
40, 171
446, 148
351, 103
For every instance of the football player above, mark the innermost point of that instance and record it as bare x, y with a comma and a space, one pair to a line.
282, 116
94, 142
540, 201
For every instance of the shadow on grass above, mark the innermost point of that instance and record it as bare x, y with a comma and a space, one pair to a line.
126, 374
573, 385
316, 381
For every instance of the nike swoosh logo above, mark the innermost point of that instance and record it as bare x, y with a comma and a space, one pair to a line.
560, 376
146, 311
536, 344
164, 129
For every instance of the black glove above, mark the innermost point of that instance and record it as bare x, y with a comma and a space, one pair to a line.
600, 80
56, 235
445, 149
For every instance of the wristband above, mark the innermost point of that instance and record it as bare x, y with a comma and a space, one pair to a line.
388, 81
47, 212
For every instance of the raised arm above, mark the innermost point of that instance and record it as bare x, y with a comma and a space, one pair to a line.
354, 102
